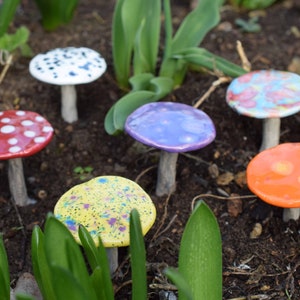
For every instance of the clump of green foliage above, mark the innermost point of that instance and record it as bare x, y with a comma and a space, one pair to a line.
136, 52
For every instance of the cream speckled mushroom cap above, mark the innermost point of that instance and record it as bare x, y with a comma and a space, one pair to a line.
68, 66
103, 206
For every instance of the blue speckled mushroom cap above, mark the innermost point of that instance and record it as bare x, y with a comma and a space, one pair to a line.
68, 66
172, 127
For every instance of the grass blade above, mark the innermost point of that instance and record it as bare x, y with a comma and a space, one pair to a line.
4, 272
138, 258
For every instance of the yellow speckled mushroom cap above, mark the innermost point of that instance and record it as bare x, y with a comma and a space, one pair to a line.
103, 206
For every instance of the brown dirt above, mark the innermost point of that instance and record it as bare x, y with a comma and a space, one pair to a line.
267, 265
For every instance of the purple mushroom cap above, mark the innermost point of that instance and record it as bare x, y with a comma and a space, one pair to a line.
265, 94
172, 127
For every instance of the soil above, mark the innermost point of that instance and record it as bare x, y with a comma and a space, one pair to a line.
265, 267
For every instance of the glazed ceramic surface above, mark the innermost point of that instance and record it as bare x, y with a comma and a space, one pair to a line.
103, 206
68, 66
274, 175
265, 94
173, 127
23, 133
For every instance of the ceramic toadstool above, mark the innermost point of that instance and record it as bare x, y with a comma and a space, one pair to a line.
67, 67
22, 133
274, 176
103, 206
268, 95
172, 128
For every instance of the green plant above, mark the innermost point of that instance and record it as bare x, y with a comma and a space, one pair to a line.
56, 12
83, 172
10, 42
199, 274
249, 26
60, 269
4, 273
136, 48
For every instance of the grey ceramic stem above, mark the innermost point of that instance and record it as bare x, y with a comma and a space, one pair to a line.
166, 175
68, 103
17, 182
291, 214
271, 133
112, 256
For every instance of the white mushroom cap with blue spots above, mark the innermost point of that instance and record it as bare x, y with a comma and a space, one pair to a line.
68, 66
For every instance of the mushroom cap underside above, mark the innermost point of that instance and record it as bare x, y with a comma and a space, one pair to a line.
274, 175
68, 66
103, 206
172, 127
265, 94
23, 133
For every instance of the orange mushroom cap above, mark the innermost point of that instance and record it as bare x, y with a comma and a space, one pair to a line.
274, 175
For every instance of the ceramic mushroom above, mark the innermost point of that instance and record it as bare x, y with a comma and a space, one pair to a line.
67, 67
22, 133
274, 176
268, 95
103, 206
172, 128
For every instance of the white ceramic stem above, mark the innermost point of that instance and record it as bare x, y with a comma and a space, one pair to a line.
291, 214
17, 184
112, 256
68, 103
166, 175
271, 133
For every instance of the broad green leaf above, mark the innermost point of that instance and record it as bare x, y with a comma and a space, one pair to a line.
147, 38
11, 42
4, 273
7, 13
196, 25
63, 251
180, 282
67, 286
138, 258
140, 82
200, 255
99, 285
98, 262
206, 59
41, 269
56, 12
125, 24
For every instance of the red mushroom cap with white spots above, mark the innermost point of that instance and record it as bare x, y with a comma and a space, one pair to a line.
23, 133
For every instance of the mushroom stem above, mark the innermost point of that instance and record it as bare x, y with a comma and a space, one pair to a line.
271, 133
166, 175
68, 103
112, 256
17, 184
291, 214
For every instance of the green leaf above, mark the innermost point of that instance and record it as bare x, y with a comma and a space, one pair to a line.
11, 42
138, 258
140, 82
63, 251
180, 282
196, 25
206, 59
124, 30
67, 286
7, 13
99, 285
24, 297
200, 255
4, 273
56, 12
41, 269
146, 42
98, 262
